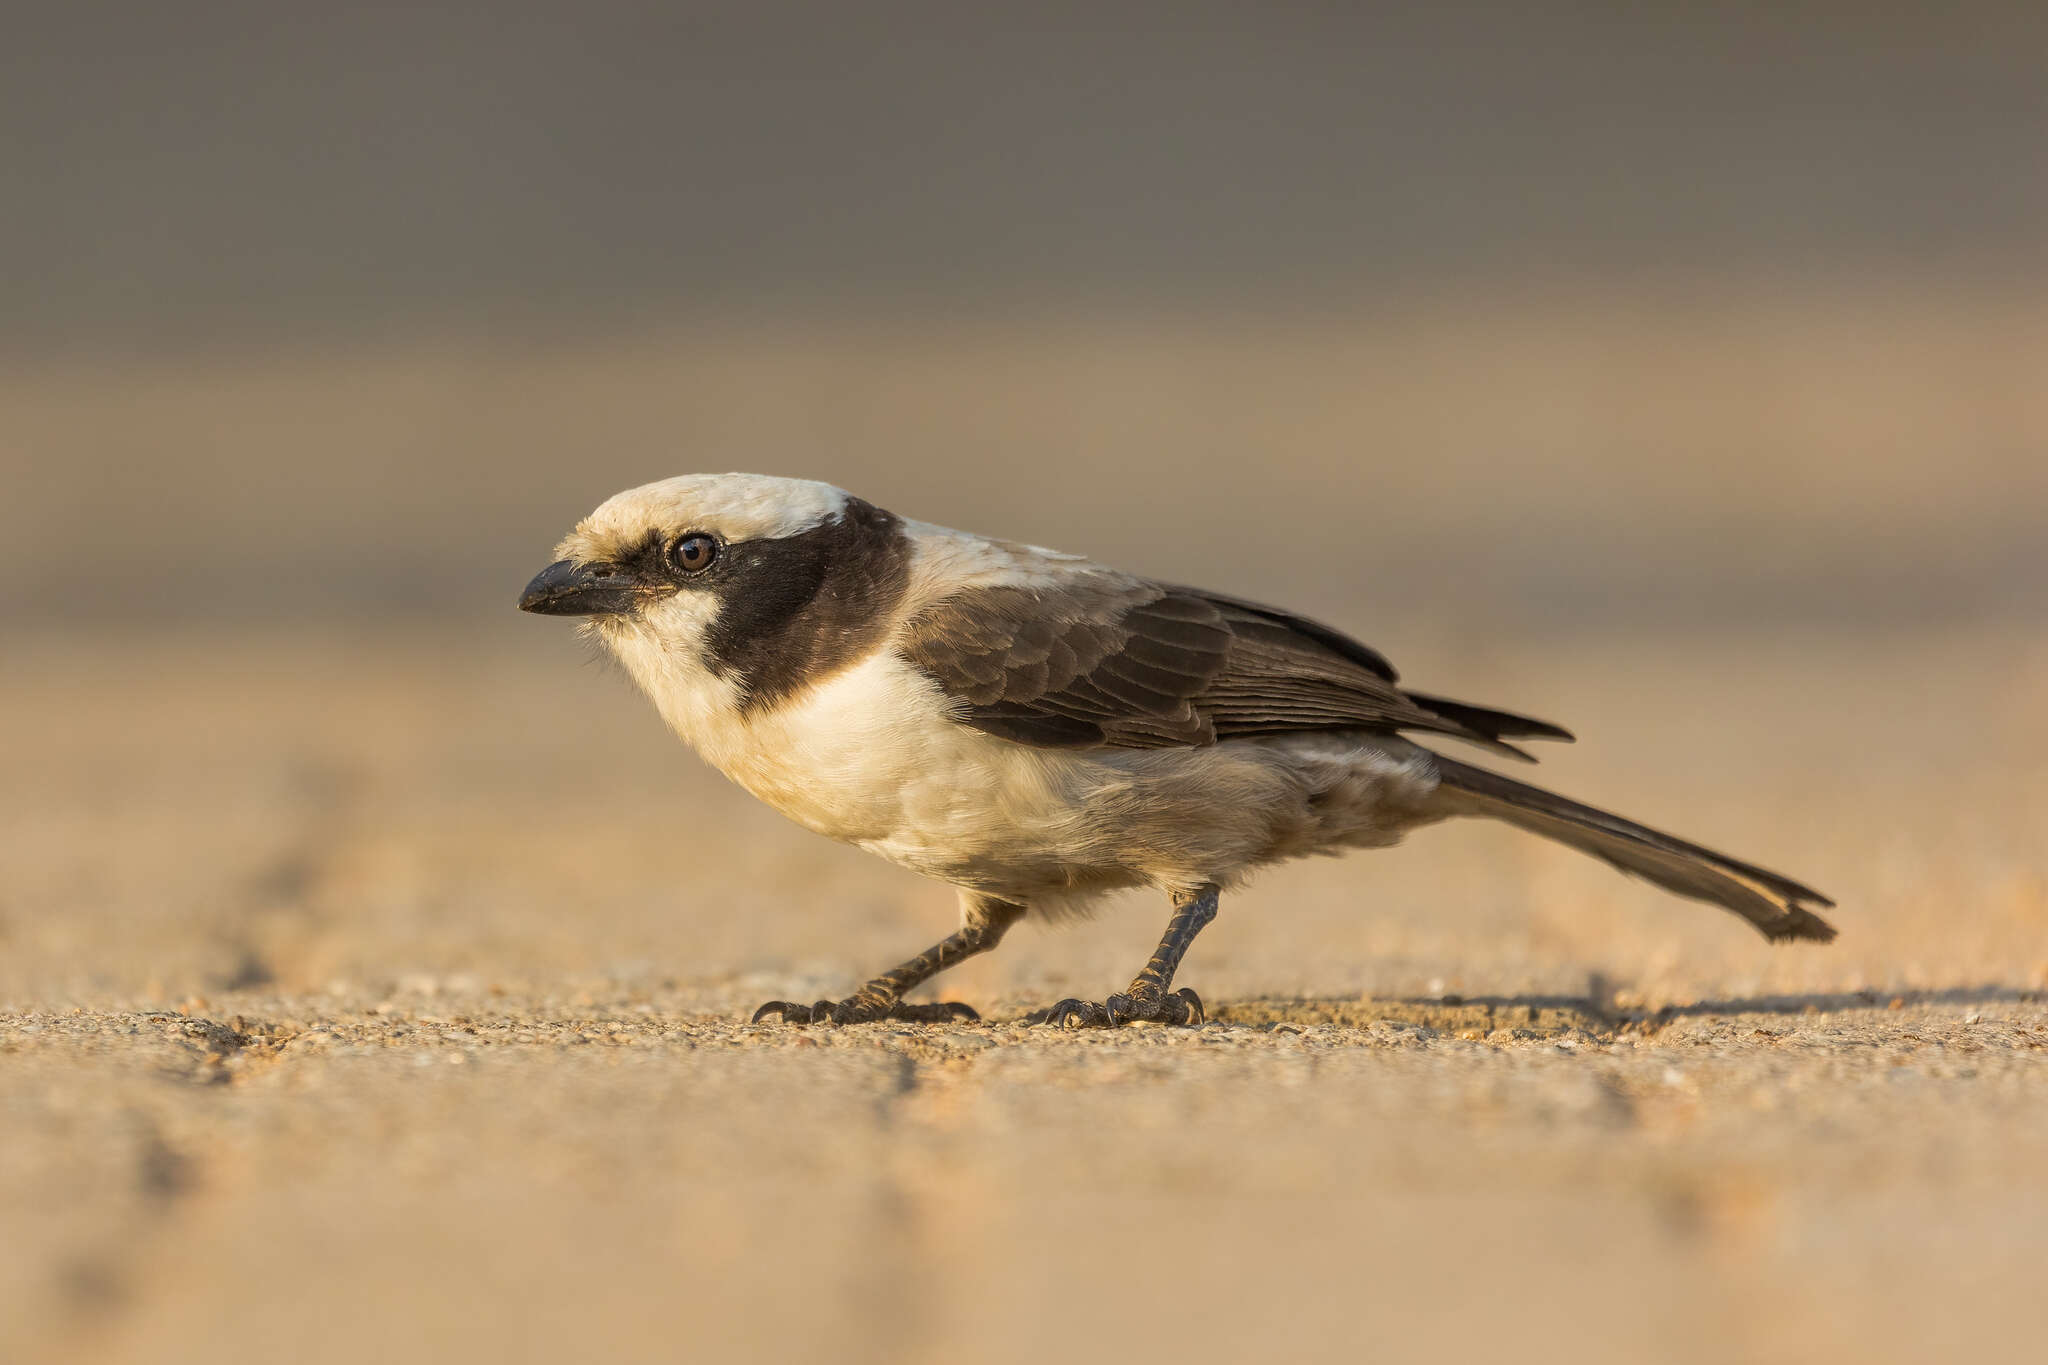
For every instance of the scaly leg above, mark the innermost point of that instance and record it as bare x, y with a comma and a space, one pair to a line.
1147, 996
983, 922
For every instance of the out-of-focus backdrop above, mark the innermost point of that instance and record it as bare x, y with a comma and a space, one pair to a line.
1590, 312
1682, 376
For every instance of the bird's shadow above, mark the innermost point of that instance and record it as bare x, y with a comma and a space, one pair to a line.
1596, 1011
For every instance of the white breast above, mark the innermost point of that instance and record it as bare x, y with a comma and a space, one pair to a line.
866, 756
853, 756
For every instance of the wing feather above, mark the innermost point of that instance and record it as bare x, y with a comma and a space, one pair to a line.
1089, 657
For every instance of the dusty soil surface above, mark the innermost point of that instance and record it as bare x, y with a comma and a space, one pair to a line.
383, 998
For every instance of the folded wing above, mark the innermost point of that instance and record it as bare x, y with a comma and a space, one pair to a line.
1094, 658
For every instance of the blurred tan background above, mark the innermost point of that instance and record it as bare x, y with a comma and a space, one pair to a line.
371, 965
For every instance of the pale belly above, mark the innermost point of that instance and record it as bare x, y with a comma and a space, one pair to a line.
869, 759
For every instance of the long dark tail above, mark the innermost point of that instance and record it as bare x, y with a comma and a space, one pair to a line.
1775, 905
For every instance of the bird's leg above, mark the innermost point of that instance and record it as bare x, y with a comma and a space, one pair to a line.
983, 922
1147, 997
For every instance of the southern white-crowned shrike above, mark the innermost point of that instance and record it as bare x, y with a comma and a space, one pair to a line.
1037, 729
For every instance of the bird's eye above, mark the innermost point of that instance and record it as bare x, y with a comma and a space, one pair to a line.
694, 552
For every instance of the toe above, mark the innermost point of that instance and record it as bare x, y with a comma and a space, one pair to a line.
791, 1012
866, 1008
1078, 1014
1182, 1007
940, 1012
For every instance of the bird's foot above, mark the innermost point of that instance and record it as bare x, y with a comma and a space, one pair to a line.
865, 1008
1133, 1006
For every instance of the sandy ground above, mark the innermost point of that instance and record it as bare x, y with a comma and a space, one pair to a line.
383, 997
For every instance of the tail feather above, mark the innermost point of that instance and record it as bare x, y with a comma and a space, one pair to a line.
1775, 905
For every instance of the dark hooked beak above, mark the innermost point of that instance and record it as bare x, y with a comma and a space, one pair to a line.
564, 588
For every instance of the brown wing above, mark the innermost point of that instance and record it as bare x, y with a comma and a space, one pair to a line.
1100, 659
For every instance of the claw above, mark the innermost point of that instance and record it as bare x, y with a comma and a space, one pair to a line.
791, 1013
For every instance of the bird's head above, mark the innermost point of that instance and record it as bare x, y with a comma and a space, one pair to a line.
762, 583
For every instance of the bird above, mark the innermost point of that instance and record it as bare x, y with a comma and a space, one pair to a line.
1037, 729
